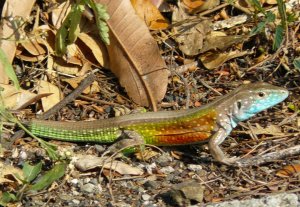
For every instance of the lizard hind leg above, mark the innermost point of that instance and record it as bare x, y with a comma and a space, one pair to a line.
127, 142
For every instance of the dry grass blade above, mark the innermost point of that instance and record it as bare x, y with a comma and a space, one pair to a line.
134, 54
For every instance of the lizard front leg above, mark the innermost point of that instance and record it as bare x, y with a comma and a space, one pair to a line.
215, 150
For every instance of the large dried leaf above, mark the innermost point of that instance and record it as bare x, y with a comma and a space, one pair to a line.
134, 54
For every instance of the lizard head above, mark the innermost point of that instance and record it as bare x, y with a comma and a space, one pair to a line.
251, 99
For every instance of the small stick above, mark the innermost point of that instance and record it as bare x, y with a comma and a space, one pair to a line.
85, 83
270, 157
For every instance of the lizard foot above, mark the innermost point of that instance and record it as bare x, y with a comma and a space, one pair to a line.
130, 139
230, 160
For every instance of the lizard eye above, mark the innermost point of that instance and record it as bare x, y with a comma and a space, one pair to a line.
261, 94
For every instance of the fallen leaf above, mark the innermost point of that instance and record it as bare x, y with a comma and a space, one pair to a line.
33, 47
7, 172
60, 12
190, 34
271, 2
214, 60
67, 68
96, 46
191, 5
50, 101
89, 162
74, 82
150, 14
219, 40
30, 58
12, 11
146, 154
289, 171
15, 99
134, 54
195, 6
74, 55
271, 130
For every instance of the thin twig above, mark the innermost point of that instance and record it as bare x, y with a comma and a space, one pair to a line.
270, 157
71, 97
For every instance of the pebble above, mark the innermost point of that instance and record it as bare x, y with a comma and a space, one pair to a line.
194, 167
146, 197
89, 188
23, 155
75, 201
86, 180
150, 168
150, 184
74, 181
183, 194
167, 170
164, 160
100, 148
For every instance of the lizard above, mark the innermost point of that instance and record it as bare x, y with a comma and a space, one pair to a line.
210, 123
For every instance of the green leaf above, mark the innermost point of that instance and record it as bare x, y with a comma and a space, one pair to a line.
52, 175
278, 37
260, 26
9, 71
282, 12
291, 17
293, 107
101, 16
270, 17
296, 63
60, 40
31, 171
7, 198
75, 17
258, 6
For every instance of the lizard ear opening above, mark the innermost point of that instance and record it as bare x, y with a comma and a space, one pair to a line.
239, 105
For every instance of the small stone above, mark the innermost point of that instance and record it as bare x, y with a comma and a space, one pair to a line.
86, 180
164, 160
167, 170
74, 181
75, 201
88, 188
150, 184
94, 181
100, 148
23, 155
150, 168
75, 193
195, 168
146, 197
184, 194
